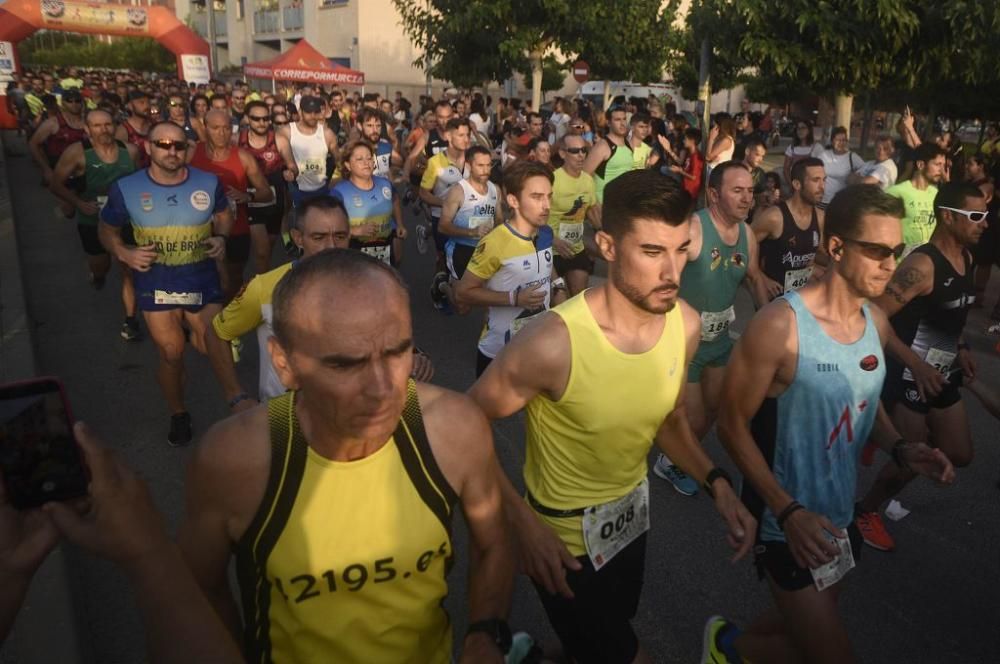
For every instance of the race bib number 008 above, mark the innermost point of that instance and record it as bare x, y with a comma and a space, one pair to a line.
716, 323
609, 528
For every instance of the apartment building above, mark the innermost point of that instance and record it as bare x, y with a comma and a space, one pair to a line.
361, 34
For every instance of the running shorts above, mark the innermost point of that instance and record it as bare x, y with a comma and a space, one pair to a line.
710, 354
774, 559
91, 242
904, 392
580, 261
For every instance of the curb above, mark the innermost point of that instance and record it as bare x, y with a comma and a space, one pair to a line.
46, 629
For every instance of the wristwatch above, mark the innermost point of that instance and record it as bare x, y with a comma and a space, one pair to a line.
713, 475
497, 629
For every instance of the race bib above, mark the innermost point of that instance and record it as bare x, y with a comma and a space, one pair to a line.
716, 323
828, 574
274, 199
609, 528
476, 222
571, 233
380, 252
941, 360
796, 279
518, 324
183, 299
101, 202
314, 166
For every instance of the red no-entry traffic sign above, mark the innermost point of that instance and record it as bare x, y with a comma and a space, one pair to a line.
581, 71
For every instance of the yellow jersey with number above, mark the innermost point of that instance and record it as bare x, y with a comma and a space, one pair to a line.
571, 198
346, 561
590, 446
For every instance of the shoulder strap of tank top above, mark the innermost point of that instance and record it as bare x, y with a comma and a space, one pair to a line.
288, 460
243, 138
787, 219
418, 460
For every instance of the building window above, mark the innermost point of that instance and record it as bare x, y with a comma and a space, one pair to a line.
326, 4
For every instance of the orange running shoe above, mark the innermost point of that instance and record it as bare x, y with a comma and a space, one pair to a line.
873, 531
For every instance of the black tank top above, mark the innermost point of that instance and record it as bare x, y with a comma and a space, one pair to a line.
792, 252
435, 144
933, 323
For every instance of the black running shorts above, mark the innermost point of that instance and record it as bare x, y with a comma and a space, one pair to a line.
88, 238
581, 261
595, 627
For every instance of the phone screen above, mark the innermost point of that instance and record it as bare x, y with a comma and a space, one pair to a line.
39, 457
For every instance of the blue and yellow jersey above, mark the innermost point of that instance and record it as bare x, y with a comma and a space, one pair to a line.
177, 219
368, 206
383, 158
509, 261
439, 176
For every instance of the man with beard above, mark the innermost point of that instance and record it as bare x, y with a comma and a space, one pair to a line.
98, 164
56, 134
602, 376
181, 220
789, 233
135, 128
721, 258
311, 142
612, 155
386, 157
274, 156
918, 194
238, 171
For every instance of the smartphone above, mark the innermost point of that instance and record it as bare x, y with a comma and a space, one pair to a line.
40, 460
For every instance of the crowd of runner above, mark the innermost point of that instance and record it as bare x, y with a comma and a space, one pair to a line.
229, 211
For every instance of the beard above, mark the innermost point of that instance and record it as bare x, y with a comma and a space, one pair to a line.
644, 300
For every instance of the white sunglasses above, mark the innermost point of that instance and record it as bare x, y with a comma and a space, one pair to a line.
975, 216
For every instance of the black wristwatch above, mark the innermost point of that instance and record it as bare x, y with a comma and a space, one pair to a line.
497, 629
713, 475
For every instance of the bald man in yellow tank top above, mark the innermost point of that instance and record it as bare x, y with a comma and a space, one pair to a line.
601, 377
337, 497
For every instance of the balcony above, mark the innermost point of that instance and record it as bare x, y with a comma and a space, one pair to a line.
199, 23
265, 21
292, 18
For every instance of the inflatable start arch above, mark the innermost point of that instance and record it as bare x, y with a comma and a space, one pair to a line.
20, 18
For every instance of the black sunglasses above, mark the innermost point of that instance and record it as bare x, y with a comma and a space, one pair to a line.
577, 150
259, 118
165, 144
875, 251
279, 124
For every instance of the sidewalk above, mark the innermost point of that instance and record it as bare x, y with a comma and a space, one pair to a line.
46, 630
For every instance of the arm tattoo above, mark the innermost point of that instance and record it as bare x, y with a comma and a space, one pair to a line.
908, 278
891, 290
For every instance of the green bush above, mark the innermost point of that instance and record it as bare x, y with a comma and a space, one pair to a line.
64, 49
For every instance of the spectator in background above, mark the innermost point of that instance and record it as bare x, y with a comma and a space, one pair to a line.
881, 170
540, 150
721, 141
694, 164
478, 116
559, 121
747, 125
840, 162
803, 145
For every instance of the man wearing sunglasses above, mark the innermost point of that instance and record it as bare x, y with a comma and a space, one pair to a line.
274, 156
181, 220
928, 301
574, 202
800, 397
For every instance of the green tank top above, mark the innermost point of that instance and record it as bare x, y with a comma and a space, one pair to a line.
99, 175
709, 283
621, 161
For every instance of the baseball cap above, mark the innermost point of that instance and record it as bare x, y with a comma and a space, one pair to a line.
137, 94
311, 104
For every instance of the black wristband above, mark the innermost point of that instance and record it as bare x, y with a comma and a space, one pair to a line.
897, 454
713, 475
793, 507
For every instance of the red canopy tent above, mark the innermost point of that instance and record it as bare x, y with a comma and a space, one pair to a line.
303, 63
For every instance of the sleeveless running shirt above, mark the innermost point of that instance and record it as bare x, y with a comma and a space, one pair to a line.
436, 144
571, 198
310, 152
138, 140
232, 174
369, 206
267, 156
590, 447
709, 283
932, 324
439, 176
346, 561
788, 259
63, 137
509, 261
383, 158
98, 177
621, 160
477, 210
812, 433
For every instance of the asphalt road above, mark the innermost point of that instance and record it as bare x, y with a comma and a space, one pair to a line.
935, 600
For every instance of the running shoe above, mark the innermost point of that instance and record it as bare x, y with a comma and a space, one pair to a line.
422, 238
873, 530
682, 484
130, 330
719, 642
97, 282
438, 296
180, 430
236, 346
524, 650
994, 328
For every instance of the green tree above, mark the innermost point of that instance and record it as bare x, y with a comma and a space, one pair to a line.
136, 53
553, 73
614, 37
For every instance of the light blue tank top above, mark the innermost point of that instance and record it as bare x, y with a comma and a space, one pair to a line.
812, 434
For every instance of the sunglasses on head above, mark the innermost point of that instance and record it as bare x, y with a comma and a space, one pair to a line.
975, 216
876, 251
577, 150
165, 144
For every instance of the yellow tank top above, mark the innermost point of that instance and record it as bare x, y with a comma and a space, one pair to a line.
590, 447
346, 561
